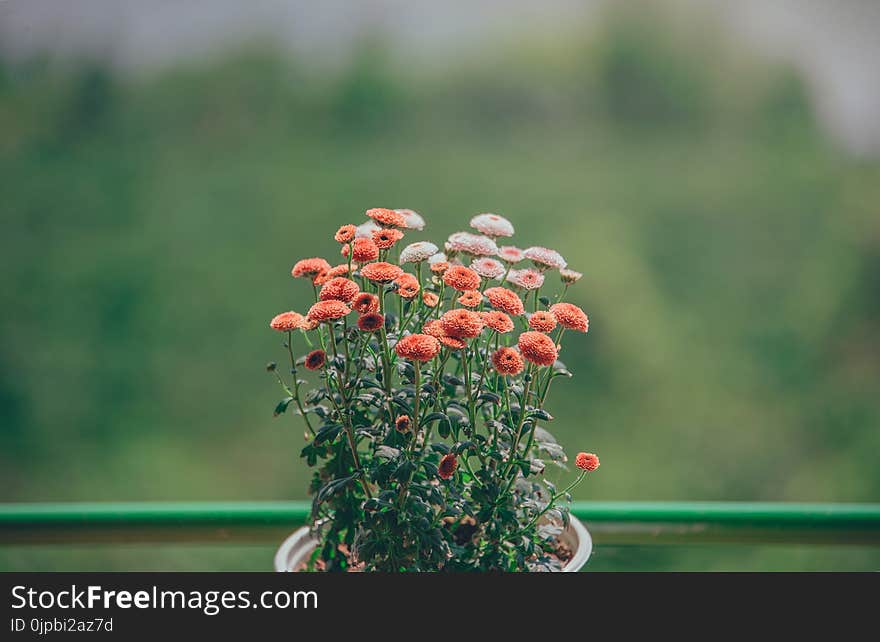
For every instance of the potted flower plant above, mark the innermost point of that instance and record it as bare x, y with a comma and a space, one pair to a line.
424, 416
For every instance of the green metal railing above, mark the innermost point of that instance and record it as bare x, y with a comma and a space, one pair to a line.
641, 523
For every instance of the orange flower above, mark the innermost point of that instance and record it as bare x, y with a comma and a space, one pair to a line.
315, 359
430, 299
452, 343
387, 217
365, 303
542, 321
340, 289
570, 316
447, 466
286, 321
461, 324
461, 278
470, 298
417, 347
504, 299
403, 423
507, 361
371, 321
386, 238
309, 267
328, 311
381, 272
407, 285
336, 270
537, 348
586, 461
439, 267
498, 321
308, 324
434, 328
345, 234
363, 250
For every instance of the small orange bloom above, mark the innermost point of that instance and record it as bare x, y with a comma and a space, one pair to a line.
315, 359
309, 267
452, 343
340, 289
542, 321
371, 321
336, 270
381, 272
386, 238
586, 461
345, 234
506, 300
286, 321
430, 299
447, 466
308, 324
328, 310
439, 267
417, 347
365, 303
570, 317
407, 285
537, 348
470, 298
434, 328
498, 321
363, 250
403, 423
387, 217
461, 324
461, 278
507, 361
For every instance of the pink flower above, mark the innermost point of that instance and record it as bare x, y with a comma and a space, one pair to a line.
471, 244
545, 257
492, 225
489, 268
511, 254
529, 279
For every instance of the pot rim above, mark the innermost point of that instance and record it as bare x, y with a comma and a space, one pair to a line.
293, 548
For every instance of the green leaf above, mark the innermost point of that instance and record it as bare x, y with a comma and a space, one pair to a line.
282, 406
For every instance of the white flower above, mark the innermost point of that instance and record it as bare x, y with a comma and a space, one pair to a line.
569, 276
546, 257
472, 244
437, 258
529, 279
417, 252
365, 230
511, 254
489, 268
492, 225
412, 219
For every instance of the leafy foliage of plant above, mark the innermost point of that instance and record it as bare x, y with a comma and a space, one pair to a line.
424, 426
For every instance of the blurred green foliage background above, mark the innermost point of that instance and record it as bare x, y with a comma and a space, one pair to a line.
731, 254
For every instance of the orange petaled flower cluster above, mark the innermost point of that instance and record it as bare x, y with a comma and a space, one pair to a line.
506, 300
537, 348
447, 466
470, 298
387, 217
439, 267
430, 299
365, 303
507, 361
498, 321
336, 270
328, 310
308, 268
363, 250
434, 328
586, 461
542, 321
403, 423
570, 317
286, 321
461, 278
417, 347
407, 285
371, 321
461, 324
386, 238
345, 234
315, 359
381, 272
340, 289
